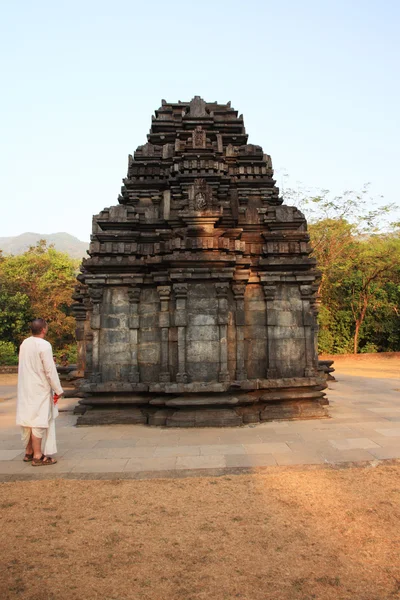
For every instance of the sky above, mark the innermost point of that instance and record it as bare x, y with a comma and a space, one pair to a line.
317, 82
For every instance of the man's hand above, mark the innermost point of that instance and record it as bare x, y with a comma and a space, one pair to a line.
56, 398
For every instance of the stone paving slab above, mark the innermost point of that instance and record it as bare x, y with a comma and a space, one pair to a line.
363, 427
250, 460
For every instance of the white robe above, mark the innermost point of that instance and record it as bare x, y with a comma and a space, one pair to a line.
37, 380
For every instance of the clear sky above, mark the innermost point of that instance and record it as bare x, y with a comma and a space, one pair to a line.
316, 80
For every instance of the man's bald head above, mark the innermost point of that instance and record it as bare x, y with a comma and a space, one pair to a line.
38, 326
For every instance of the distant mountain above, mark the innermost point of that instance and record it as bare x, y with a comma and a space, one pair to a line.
64, 242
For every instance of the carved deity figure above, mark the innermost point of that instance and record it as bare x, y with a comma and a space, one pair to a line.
200, 201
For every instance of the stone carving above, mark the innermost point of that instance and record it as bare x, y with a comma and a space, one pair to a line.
199, 138
199, 291
200, 202
201, 195
197, 107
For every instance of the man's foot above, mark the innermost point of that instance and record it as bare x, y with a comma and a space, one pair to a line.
43, 460
28, 457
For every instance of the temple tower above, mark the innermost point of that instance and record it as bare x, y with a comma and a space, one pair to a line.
198, 302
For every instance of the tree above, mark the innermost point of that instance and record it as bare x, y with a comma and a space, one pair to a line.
15, 315
359, 268
46, 278
377, 263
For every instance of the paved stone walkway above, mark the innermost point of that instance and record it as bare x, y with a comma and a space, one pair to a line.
364, 426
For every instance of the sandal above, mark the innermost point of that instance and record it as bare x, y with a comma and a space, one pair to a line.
28, 457
49, 460
43, 460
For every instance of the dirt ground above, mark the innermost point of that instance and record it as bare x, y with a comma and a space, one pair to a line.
281, 534
385, 365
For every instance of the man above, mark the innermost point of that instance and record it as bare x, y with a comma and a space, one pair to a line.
36, 408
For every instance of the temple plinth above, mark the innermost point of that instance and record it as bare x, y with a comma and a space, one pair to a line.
197, 305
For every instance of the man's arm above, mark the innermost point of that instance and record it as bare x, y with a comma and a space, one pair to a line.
50, 370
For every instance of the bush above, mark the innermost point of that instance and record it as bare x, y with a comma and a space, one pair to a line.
8, 354
70, 353
369, 348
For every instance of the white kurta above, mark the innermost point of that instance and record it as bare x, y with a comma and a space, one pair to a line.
37, 378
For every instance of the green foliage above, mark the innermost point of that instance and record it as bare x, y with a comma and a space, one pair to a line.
15, 315
360, 273
69, 354
38, 283
8, 354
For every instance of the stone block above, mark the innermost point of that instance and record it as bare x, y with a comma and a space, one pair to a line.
255, 304
180, 318
285, 318
280, 410
149, 320
118, 296
203, 371
255, 318
117, 399
149, 334
202, 333
110, 322
149, 373
199, 320
173, 334
149, 353
219, 417
253, 332
256, 350
134, 321
255, 368
283, 334
200, 304
199, 351
110, 416
203, 400
201, 290
116, 353
115, 309
308, 319
240, 317
114, 337
291, 394
164, 319
291, 350
223, 318
149, 295
254, 292
125, 371
95, 321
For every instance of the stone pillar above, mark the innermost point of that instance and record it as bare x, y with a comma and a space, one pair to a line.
80, 311
269, 294
96, 296
164, 292
307, 297
180, 291
222, 295
134, 299
238, 292
80, 341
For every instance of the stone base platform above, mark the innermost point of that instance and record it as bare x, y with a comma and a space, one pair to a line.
202, 410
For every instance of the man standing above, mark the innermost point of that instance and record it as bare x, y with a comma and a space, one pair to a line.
36, 408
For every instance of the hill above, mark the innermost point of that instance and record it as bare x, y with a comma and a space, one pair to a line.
64, 242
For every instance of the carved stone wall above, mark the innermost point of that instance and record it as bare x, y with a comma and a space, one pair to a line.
200, 281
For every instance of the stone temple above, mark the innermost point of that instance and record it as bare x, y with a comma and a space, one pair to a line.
197, 304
